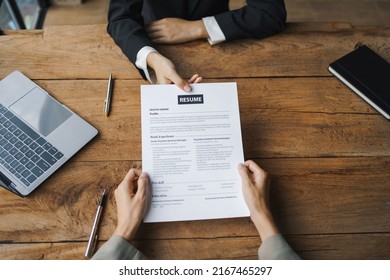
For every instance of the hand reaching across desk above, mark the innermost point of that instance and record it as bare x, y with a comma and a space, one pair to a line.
255, 188
166, 73
132, 197
136, 25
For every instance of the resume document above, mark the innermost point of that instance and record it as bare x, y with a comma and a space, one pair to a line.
191, 146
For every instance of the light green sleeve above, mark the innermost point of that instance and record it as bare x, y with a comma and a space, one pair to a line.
276, 248
118, 248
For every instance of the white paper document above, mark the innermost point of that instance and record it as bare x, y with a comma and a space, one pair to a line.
191, 146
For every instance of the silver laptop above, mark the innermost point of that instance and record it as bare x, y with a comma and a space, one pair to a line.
37, 134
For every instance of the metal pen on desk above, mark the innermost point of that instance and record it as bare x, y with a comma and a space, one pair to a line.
93, 237
107, 102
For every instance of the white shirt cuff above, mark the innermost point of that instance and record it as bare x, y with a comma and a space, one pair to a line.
215, 33
141, 60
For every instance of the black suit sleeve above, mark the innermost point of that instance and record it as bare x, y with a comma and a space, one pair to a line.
126, 27
258, 19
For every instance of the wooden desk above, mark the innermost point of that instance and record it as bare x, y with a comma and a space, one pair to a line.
327, 151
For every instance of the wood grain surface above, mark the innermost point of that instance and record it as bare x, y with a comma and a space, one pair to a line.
88, 52
327, 151
311, 117
340, 246
344, 195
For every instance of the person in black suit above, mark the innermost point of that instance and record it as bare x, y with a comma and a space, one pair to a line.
136, 25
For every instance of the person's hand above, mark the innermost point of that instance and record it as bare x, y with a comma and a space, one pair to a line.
166, 72
131, 197
255, 189
195, 79
175, 31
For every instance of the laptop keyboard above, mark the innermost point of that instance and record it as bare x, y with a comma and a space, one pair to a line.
22, 151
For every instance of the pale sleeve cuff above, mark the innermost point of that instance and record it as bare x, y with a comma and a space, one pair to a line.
141, 60
215, 32
276, 248
118, 248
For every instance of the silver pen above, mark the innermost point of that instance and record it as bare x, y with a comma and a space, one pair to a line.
93, 237
107, 102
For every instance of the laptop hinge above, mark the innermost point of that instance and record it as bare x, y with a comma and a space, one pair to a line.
8, 184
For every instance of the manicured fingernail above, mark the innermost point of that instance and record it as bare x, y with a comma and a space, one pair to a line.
187, 88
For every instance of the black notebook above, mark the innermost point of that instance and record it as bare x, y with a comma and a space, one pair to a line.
368, 74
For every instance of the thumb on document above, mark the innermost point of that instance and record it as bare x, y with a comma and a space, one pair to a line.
244, 173
143, 184
178, 81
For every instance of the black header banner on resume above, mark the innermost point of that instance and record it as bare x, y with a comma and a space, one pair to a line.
190, 99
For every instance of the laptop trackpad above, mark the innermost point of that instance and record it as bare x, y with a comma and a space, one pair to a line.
41, 111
